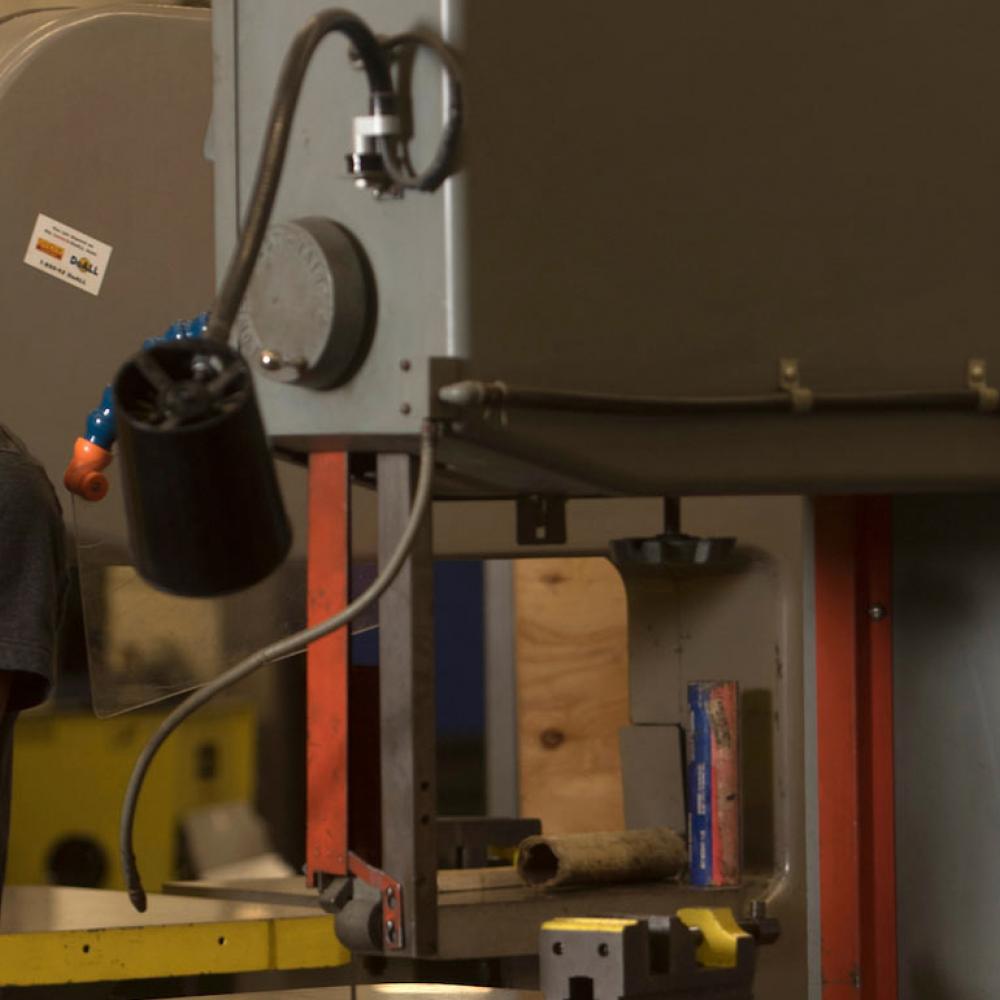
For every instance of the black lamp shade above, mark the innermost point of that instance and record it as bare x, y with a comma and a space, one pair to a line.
205, 515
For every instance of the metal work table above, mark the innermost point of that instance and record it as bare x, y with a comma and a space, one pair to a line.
388, 991
498, 918
55, 935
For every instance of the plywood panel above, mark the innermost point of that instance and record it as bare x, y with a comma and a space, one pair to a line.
572, 675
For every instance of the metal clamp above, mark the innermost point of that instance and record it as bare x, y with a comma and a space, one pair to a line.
367, 906
788, 379
989, 398
365, 163
391, 894
700, 952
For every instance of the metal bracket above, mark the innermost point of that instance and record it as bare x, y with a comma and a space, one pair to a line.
541, 520
391, 893
989, 398
788, 379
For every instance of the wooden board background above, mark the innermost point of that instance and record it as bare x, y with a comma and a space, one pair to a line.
572, 680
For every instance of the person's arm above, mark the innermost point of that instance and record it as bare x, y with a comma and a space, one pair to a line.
32, 578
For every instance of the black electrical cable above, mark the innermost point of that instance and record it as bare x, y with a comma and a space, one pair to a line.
484, 395
435, 174
272, 161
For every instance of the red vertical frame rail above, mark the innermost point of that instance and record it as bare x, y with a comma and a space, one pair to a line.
328, 675
853, 579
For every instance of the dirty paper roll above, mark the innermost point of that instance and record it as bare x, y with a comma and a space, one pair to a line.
586, 858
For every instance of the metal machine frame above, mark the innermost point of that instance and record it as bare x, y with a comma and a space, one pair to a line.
403, 873
853, 664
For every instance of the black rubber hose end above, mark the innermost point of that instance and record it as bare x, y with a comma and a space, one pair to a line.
136, 893
137, 896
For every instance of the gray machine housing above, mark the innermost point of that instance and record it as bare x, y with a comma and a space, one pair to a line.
665, 199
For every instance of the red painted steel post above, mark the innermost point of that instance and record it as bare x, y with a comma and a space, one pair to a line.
327, 665
853, 553
837, 746
879, 959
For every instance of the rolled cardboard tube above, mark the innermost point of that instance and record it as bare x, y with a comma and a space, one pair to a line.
586, 858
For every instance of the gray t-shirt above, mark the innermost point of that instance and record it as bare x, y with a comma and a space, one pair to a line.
32, 582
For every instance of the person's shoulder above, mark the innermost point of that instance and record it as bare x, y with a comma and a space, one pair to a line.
23, 480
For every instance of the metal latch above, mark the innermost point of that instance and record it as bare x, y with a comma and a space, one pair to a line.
989, 398
788, 379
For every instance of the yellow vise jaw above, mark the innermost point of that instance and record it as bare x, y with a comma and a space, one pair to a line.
720, 935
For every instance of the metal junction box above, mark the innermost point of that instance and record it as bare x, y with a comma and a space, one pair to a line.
661, 200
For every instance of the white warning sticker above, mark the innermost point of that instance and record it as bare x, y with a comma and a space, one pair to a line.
67, 254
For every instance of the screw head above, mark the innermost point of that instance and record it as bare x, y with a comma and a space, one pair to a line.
405, 409
390, 896
390, 930
406, 364
271, 361
877, 612
275, 361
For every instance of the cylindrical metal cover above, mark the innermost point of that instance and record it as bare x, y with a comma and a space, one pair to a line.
205, 515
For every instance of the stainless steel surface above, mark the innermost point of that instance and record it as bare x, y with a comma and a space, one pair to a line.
946, 593
407, 711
